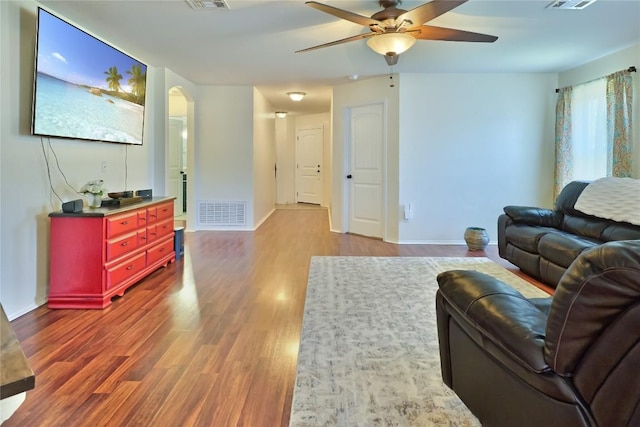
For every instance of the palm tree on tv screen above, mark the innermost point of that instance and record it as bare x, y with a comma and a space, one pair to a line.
113, 79
137, 82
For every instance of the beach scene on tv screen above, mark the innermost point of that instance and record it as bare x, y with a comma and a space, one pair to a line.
86, 89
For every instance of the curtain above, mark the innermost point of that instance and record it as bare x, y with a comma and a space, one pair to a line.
564, 156
593, 130
619, 124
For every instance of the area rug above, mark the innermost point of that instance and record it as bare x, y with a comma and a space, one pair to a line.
369, 346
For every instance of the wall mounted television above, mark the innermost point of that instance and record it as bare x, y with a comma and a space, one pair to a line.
84, 88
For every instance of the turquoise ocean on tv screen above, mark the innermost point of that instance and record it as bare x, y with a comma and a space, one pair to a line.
68, 110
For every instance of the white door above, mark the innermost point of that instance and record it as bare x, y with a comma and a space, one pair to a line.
366, 170
174, 184
309, 165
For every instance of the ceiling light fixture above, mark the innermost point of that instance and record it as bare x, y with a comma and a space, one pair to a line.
281, 114
296, 96
391, 45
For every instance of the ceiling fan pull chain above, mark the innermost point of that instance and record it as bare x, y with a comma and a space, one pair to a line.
391, 83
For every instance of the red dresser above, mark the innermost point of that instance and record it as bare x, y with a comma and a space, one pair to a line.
99, 253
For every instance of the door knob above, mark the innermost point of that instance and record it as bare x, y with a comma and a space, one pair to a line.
349, 176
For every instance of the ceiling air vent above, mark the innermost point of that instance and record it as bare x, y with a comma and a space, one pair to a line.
208, 4
570, 4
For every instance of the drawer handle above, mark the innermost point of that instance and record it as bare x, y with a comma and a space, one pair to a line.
124, 243
143, 238
124, 223
130, 267
143, 219
153, 234
161, 250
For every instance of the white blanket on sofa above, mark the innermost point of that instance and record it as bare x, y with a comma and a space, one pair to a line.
613, 198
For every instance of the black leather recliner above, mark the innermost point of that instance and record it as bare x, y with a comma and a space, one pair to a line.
570, 360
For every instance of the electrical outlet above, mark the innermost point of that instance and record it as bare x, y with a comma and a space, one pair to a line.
104, 166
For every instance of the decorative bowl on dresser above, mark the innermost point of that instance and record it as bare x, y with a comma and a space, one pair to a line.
98, 254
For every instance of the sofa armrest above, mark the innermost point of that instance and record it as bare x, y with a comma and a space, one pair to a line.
534, 216
511, 323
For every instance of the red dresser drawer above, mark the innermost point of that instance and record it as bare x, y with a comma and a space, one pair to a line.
152, 235
142, 237
152, 215
121, 272
158, 252
165, 210
121, 245
164, 228
142, 217
121, 224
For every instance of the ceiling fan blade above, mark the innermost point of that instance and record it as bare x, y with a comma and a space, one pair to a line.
429, 32
348, 39
344, 14
428, 11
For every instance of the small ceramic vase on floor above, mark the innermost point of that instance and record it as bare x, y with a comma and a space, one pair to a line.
477, 238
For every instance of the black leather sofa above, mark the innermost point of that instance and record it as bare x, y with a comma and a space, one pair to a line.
544, 242
571, 360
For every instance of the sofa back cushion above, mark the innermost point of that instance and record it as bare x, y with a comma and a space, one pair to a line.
603, 230
568, 197
620, 231
586, 227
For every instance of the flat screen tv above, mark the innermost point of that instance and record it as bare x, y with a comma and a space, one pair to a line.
84, 88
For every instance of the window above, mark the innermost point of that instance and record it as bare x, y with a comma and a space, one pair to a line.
589, 131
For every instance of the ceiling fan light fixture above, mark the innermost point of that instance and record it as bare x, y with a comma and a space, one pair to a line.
391, 43
296, 96
281, 114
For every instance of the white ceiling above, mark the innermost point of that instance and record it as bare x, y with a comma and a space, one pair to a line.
253, 43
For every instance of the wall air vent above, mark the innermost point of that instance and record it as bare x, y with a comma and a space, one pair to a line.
212, 212
570, 4
208, 4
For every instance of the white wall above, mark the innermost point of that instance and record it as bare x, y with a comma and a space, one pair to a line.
224, 148
604, 66
469, 145
264, 159
177, 105
285, 159
353, 94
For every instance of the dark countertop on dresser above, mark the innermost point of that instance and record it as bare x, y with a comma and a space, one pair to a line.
112, 210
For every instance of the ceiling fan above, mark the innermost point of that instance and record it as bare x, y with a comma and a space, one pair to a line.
395, 30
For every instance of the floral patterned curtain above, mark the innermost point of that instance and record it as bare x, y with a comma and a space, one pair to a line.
564, 156
619, 124
618, 99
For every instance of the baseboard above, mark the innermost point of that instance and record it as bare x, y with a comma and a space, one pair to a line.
264, 219
433, 242
15, 314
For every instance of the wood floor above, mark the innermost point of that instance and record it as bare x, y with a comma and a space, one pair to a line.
211, 340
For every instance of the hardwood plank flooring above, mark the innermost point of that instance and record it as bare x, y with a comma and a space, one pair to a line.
211, 340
